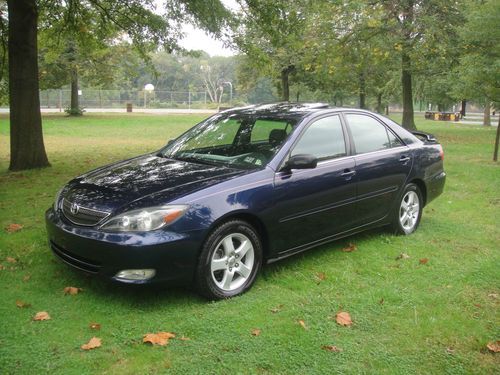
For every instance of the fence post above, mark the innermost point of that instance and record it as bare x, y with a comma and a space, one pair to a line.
60, 100
205, 98
189, 100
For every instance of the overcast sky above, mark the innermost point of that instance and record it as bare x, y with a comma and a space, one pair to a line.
197, 39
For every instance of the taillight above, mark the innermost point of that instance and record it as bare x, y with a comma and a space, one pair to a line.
441, 152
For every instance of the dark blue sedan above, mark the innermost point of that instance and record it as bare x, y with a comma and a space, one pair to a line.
245, 187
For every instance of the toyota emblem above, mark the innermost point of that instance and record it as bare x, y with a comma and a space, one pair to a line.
74, 208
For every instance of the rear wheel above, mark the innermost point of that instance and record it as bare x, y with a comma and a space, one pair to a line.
229, 261
406, 217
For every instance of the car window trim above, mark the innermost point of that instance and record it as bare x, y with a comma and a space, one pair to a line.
351, 138
304, 129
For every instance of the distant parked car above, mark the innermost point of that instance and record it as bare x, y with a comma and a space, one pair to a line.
245, 187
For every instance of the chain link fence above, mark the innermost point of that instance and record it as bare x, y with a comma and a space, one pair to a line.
137, 98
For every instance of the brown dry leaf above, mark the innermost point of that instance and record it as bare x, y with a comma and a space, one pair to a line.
331, 348
2, 267
349, 248
343, 318
276, 309
94, 342
381, 301
183, 338
95, 326
160, 338
256, 332
26, 278
11, 228
423, 261
11, 260
302, 324
71, 290
42, 315
402, 256
22, 305
450, 350
494, 346
493, 295
320, 276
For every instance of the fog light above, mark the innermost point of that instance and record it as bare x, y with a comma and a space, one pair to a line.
135, 274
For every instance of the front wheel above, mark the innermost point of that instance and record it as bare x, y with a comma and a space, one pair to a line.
229, 261
409, 211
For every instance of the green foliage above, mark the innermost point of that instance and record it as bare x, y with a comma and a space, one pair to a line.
479, 70
408, 317
74, 111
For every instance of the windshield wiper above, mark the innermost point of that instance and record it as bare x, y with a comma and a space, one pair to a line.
192, 159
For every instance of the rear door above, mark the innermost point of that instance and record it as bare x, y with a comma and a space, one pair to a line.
383, 164
312, 204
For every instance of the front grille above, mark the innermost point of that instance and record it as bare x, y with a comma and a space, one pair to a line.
75, 261
82, 215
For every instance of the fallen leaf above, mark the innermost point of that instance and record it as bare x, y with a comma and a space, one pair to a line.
2, 267
276, 309
477, 305
320, 276
26, 278
343, 318
402, 256
95, 326
160, 338
183, 338
349, 248
11, 228
72, 290
11, 260
42, 315
94, 342
423, 261
494, 346
256, 332
22, 305
450, 350
331, 348
302, 324
381, 301
493, 295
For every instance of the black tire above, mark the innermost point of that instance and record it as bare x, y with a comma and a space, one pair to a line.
237, 271
406, 223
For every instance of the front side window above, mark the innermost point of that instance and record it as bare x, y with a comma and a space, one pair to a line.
367, 133
324, 139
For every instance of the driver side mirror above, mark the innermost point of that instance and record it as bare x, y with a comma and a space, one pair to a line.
301, 161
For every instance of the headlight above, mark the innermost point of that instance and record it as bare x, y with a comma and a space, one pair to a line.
145, 219
58, 197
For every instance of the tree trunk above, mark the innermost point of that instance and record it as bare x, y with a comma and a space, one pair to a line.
408, 116
26, 137
362, 91
462, 110
495, 152
74, 106
285, 86
486, 117
379, 103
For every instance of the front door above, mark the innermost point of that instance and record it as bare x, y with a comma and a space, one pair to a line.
313, 204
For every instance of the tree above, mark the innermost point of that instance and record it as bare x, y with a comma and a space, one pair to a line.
271, 32
479, 69
26, 137
135, 18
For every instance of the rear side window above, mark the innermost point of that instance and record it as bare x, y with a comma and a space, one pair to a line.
368, 134
323, 139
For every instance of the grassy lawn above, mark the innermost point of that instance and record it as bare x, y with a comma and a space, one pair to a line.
408, 317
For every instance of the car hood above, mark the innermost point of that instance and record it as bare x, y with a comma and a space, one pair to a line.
125, 183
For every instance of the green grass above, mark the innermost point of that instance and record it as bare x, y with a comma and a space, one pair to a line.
435, 318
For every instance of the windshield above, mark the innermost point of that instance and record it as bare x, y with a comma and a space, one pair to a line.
237, 141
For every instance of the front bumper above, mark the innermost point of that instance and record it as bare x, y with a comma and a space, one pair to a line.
172, 255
